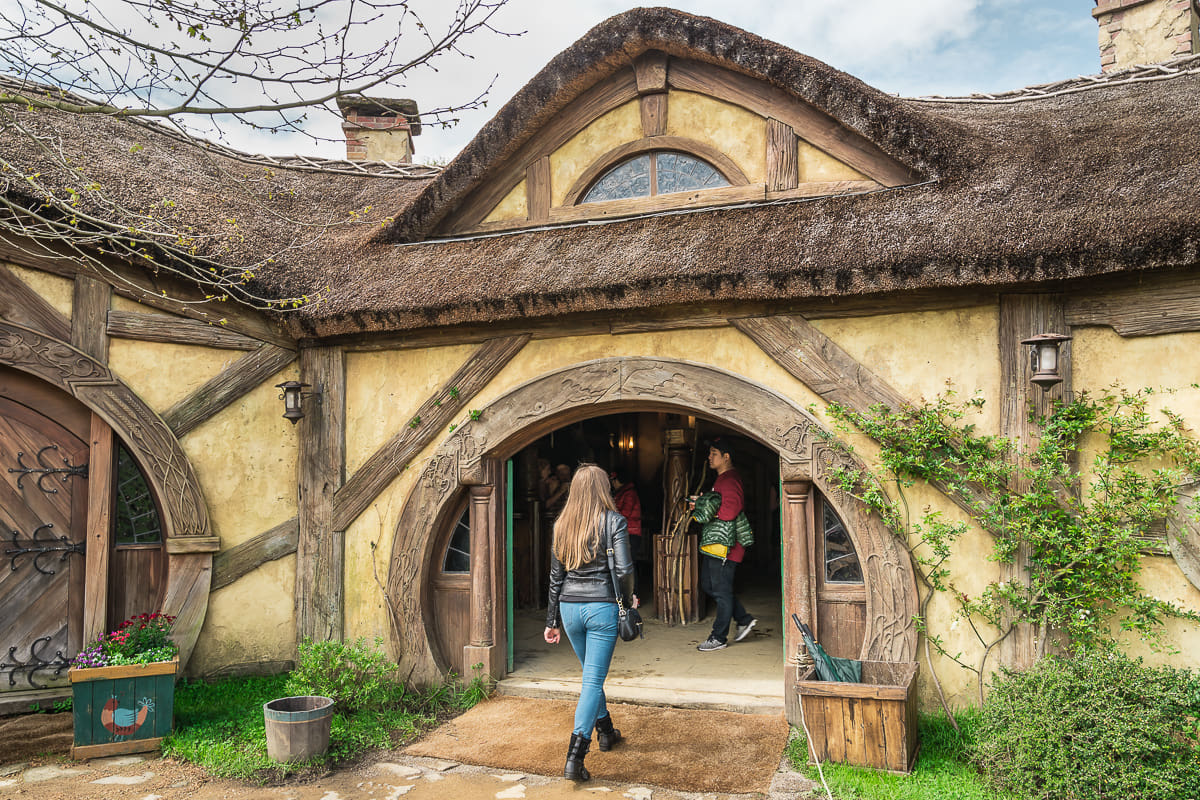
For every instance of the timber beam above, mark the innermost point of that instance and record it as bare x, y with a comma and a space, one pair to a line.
222, 390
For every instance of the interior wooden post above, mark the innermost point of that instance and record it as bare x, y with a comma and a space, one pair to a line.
797, 584
99, 530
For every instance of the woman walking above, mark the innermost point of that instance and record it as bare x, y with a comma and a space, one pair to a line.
582, 601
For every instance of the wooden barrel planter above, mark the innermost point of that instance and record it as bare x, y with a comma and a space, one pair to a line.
127, 709
868, 724
298, 727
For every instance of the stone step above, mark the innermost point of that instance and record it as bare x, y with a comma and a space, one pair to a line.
561, 689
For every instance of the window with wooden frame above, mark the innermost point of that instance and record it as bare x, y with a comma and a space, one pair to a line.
840, 584
655, 173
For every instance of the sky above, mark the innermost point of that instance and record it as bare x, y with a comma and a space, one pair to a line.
905, 47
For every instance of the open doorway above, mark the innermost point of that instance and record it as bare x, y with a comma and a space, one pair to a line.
663, 457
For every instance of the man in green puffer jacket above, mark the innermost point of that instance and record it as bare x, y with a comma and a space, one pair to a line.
724, 536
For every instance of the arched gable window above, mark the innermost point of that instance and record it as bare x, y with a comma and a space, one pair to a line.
654, 173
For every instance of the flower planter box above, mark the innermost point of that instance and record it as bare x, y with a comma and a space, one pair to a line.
868, 724
127, 709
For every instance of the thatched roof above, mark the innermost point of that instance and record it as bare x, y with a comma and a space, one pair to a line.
1101, 176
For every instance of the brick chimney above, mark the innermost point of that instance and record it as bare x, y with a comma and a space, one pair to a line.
1136, 32
380, 128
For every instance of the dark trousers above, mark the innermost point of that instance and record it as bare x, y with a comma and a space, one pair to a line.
716, 581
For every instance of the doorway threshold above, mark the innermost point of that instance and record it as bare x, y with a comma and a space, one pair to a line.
663, 669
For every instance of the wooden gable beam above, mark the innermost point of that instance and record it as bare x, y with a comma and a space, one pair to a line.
22, 305
225, 388
89, 313
435, 414
811, 124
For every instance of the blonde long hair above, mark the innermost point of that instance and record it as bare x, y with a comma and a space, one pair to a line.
577, 530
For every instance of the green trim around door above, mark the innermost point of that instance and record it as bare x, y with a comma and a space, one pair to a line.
508, 557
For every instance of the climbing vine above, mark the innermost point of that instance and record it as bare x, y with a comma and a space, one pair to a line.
1079, 532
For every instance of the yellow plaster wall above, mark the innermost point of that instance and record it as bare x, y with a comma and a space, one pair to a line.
731, 129
514, 206
366, 614
384, 390
245, 458
1101, 359
163, 374
249, 622
56, 290
921, 354
622, 124
1147, 33
816, 165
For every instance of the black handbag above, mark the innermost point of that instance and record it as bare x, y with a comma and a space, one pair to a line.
629, 620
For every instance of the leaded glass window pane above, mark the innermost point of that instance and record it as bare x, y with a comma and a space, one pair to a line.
628, 179
458, 552
678, 172
137, 519
841, 559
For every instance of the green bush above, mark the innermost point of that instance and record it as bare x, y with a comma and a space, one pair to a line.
1093, 727
355, 676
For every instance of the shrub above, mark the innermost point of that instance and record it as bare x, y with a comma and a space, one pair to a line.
355, 676
1093, 727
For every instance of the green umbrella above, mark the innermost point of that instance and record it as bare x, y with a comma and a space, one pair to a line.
829, 668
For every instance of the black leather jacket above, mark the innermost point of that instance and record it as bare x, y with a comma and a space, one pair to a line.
590, 582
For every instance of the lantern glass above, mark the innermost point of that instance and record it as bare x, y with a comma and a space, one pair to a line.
1048, 357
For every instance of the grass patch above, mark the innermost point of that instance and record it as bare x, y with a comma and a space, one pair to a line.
943, 770
219, 725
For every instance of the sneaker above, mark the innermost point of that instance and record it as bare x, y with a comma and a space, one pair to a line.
744, 632
710, 644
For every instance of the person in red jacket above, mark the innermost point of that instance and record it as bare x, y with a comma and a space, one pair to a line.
629, 505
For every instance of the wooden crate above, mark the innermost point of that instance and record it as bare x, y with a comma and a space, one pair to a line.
868, 724
104, 697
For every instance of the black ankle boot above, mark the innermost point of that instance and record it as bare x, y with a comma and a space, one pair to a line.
606, 734
574, 770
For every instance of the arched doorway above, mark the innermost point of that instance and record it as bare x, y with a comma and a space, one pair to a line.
468, 465
170, 566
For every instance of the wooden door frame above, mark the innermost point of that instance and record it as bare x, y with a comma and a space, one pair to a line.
187, 533
808, 453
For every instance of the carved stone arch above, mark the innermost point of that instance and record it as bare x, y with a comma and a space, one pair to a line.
188, 536
615, 385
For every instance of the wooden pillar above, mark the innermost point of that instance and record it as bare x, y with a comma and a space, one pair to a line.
797, 583
1021, 317
99, 531
319, 593
482, 648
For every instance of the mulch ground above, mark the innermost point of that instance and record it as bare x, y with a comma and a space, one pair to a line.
29, 736
682, 749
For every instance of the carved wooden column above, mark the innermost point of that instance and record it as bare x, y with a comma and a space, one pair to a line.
1021, 317
675, 558
797, 583
480, 650
320, 590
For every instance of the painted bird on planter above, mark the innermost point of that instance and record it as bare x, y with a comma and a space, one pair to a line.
125, 721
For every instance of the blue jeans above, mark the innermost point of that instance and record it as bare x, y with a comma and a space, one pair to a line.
592, 630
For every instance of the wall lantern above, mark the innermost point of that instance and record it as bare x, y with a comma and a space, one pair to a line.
293, 399
1043, 358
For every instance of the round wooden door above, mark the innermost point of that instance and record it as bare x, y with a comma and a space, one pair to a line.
43, 508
